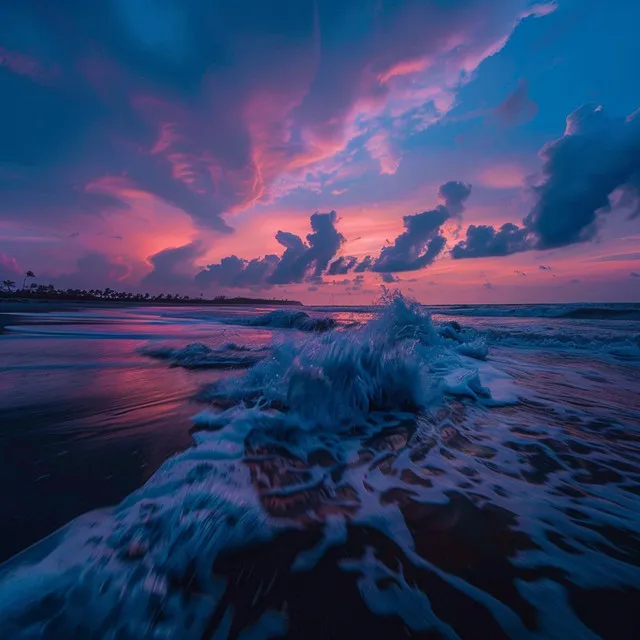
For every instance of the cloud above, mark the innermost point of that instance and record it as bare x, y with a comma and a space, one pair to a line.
596, 155
388, 278
454, 194
618, 257
487, 285
422, 241
174, 266
357, 283
541, 9
234, 272
298, 258
382, 149
519, 273
543, 267
634, 274
26, 65
9, 266
364, 265
299, 262
484, 241
418, 246
94, 270
212, 110
501, 176
342, 265
518, 108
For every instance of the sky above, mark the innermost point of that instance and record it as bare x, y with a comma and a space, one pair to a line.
461, 151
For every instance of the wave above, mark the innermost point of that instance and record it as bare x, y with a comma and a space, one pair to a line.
201, 356
398, 361
371, 466
620, 311
286, 319
622, 346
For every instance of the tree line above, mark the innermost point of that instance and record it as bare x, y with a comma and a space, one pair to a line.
8, 289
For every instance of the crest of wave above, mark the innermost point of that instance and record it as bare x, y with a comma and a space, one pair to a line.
395, 362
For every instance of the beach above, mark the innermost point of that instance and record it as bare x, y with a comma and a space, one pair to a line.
321, 472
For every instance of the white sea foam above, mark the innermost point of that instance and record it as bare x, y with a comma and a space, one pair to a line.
396, 362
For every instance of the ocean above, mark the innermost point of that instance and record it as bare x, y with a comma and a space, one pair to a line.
390, 471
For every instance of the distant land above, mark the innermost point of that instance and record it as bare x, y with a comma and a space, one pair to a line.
49, 294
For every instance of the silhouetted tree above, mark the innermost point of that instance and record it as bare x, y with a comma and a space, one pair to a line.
8, 285
27, 275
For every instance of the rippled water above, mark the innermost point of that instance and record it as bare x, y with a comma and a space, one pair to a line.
390, 475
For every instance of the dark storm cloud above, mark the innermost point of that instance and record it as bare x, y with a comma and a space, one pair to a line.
484, 241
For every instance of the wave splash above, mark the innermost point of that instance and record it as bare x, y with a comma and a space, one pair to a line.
398, 361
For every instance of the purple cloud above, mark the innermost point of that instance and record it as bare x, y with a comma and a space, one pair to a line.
418, 246
484, 241
174, 266
454, 194
518, 107
596, 155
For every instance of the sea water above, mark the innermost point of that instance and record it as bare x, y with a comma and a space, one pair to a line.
457, 472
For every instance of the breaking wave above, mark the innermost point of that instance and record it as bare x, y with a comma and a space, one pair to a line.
377, 480
286, 319
396, 362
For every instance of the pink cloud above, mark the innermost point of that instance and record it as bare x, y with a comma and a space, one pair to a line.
540, 10
501, 176
404, 68
26, 65
9, 265
517, 108
381, 148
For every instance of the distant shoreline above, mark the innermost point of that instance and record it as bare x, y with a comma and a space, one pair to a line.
11, 304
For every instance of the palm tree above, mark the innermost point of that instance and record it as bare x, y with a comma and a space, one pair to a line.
27, 275
8, 285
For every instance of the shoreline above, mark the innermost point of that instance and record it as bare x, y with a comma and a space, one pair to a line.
12, 308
